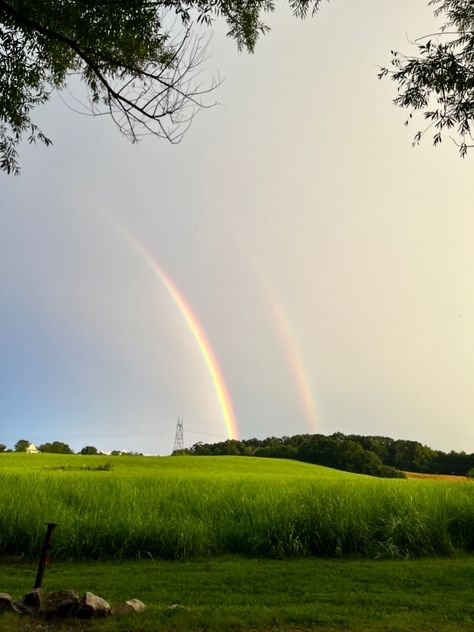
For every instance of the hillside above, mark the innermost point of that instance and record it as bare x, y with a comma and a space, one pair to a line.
182, 507
166, 467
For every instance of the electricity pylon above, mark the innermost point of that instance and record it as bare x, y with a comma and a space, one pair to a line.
179, 437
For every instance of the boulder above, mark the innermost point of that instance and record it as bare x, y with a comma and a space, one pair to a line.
33, 599
132, 606
6, 602
60, 603
20, 608
92, 607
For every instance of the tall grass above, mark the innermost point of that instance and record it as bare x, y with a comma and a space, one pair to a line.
198, 506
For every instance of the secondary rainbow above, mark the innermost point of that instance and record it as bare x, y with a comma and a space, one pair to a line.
294, 358
195, 328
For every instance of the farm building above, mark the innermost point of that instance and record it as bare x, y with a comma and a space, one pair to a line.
32, 449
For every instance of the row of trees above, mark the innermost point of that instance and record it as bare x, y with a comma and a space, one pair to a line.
59, 447
54, 447
374, 455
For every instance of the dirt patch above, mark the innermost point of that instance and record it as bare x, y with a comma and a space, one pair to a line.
441, 477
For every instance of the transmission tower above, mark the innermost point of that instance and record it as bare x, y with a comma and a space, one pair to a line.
179, 437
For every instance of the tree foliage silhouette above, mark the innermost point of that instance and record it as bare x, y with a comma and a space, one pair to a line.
21, 445
140, 62
439, 81
138, 59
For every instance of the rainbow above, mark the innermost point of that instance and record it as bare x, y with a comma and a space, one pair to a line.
294, 359
195, 328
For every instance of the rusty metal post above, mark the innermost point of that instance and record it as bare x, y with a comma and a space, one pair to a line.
43, 563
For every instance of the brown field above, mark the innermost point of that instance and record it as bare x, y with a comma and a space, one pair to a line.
443, 477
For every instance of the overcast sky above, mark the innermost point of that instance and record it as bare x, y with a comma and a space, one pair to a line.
329, 264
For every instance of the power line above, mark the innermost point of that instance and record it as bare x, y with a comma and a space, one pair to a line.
106, 435
207, 434
112, 434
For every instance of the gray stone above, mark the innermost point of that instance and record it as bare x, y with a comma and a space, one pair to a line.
6, 602
21, 608
177, 606
132, 606
92, 607
33, 599
60, 603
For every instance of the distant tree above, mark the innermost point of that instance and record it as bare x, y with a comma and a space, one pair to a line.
200, 449
439, 81
3, 447
275, 452
21, 445
457, 463
232, 447
246, 450
56, 447
470, 473
89, 449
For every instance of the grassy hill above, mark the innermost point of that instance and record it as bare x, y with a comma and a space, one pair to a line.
189, 466
180, 507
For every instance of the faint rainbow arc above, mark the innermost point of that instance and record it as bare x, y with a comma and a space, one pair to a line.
195, 328
296, 363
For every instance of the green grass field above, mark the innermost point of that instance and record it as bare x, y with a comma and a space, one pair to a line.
184, 507
242, 594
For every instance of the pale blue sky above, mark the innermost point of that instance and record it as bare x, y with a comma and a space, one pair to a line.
303, 180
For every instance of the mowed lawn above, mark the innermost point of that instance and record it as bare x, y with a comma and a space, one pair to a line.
236, 593
185, 507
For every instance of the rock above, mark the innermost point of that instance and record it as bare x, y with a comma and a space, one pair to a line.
61, 603
177, 606
6, 602
20, 608
33, 599
129, 607
92, 607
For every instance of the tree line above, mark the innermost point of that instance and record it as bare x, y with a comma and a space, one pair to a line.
59, 447
373, 455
